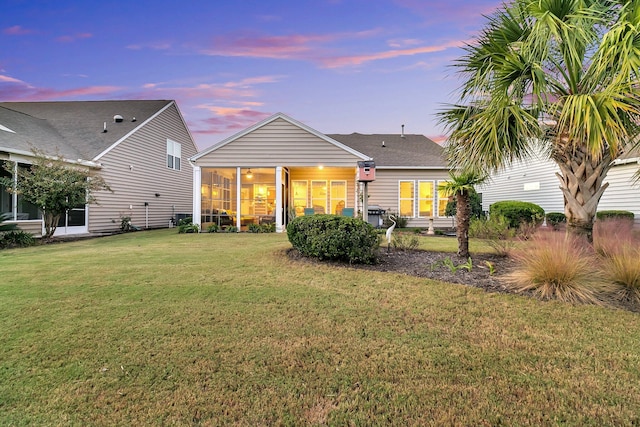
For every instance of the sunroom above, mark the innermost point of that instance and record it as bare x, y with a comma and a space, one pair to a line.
272, 172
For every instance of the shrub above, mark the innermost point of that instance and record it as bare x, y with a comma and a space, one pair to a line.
187, 226
15, 239
125, 224
555, 266
555, 219
401, 221
603, 215
334, 237
213, 228
405, 241
495, 230
517, 212
232, 229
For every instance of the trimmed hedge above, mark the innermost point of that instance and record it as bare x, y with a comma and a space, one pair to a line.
334, 237
554, 219
602, 215
517, 212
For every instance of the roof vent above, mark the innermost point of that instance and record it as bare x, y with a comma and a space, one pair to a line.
133, 119
402, 134
104, 130
118, 118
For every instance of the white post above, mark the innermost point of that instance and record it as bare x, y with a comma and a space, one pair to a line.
196, 215
238, 196
365, 203
279, 201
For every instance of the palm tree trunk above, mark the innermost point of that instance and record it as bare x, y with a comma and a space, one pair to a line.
581, 182
463, 217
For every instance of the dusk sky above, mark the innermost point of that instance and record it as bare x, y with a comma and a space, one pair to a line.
339, 66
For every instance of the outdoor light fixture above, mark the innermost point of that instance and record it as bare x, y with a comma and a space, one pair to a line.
249, 174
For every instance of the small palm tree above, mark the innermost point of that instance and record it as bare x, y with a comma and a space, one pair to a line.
560, 75
462, 185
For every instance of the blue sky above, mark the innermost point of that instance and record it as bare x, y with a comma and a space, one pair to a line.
339, 66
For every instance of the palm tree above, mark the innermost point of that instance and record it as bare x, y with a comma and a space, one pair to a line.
556, 75
461, 186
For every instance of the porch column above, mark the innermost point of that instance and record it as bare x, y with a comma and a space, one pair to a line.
279, 201
238, 197
197, 195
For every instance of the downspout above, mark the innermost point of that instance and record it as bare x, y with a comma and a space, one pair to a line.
14, 195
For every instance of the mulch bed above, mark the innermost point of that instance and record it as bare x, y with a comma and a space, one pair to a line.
430, 265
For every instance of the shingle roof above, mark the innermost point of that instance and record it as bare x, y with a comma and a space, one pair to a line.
73, 129
398, 151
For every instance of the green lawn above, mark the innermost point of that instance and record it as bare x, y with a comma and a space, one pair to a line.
156, 328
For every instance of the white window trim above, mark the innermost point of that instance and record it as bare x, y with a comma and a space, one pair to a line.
413, 198
433, 198
437, 207
174, 149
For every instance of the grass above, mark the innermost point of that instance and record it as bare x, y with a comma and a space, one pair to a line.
158, 328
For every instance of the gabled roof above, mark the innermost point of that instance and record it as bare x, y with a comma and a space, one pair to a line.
398, 151
274, 117
73, 129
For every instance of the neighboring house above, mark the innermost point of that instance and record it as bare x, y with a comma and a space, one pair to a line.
139, 147
534, 180
280, 168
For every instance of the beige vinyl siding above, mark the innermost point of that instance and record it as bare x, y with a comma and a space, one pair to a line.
531, 180
136, 170
328, 175
384, 191
278, 143
623, 193
32, 227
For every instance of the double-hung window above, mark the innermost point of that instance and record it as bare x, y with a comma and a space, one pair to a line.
443, 199
407, 199
174, 153
425, 198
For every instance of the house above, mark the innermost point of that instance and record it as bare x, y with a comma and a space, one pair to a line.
138, 146
281, 168
534, 180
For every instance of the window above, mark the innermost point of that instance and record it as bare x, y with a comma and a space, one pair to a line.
338, 196
443, 199
406, 199
174, 153
425, 199
299, 190
319, 196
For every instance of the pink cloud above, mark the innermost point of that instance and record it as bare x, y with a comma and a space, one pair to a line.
438, 139
343, 61
17, 30
233, 120
278, 47
18, 90
74, 37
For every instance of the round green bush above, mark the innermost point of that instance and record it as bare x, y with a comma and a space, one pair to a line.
334, 237
517, 212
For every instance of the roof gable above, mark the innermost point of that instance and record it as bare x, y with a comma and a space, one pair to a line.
271, 120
